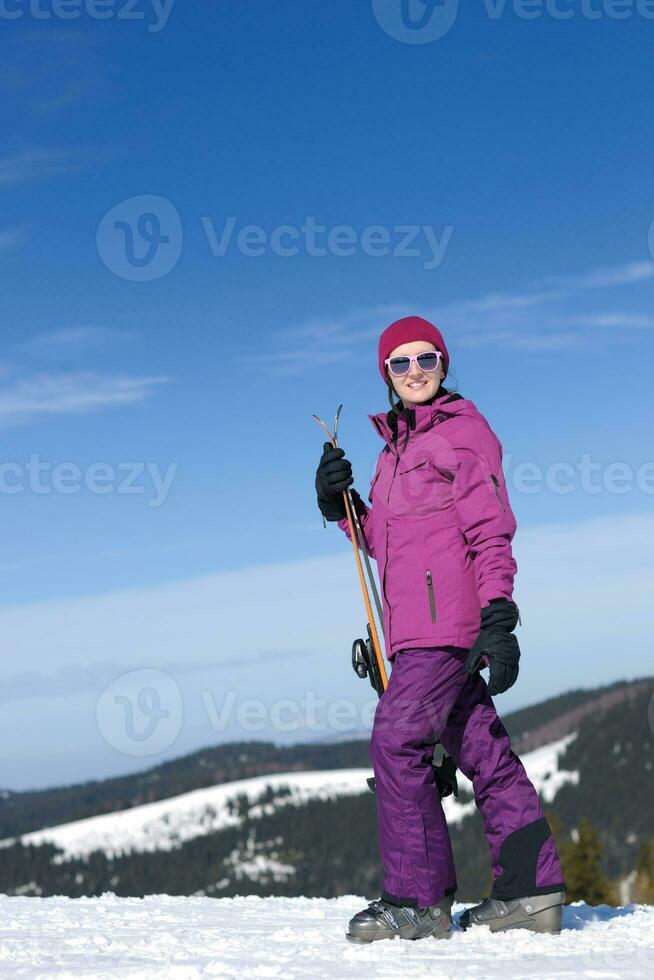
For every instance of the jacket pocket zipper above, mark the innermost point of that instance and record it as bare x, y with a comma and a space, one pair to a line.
496, 484
432, 600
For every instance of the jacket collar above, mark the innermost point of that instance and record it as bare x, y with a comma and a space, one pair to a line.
392, 427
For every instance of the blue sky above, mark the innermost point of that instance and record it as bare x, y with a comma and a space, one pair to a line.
518, 153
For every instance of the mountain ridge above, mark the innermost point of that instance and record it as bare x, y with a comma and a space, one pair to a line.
29, 810
277, 841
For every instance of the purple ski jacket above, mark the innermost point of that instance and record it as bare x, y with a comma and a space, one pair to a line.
440, 524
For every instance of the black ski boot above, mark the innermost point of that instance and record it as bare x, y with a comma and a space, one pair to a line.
540, 913
385, 920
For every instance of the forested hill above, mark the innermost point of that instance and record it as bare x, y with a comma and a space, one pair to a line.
21, 812
314, 833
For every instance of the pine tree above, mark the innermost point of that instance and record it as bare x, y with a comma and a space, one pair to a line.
555, 827
581, 860
644, 884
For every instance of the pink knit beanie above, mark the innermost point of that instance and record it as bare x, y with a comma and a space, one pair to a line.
405, 331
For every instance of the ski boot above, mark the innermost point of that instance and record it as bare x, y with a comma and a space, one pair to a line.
385, 920
539, 913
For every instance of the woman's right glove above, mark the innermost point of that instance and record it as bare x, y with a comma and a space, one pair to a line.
333, 476
498, 645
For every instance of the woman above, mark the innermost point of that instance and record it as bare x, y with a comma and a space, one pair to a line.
440, 527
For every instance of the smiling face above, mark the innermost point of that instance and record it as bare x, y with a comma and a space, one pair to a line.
417, 386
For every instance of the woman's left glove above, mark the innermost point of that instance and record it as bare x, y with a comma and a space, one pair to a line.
498, 644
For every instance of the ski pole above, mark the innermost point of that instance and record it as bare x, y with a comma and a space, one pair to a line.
358, 541
445, 771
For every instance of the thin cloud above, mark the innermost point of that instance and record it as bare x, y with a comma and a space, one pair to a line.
633, 272
37, 164
340, 328
502, 317
71, 70
71, 394
639, 321
547, 341
290, 362
324, 341
501, 302
67, 339
522, 341
555, 288
71, 679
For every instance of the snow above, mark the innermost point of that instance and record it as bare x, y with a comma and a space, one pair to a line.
543, 768
248, 863
192, 938
166, 824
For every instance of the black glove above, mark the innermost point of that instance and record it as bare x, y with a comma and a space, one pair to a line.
497, 642
333, 476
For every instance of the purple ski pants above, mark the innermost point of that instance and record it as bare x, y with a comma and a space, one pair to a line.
430, 695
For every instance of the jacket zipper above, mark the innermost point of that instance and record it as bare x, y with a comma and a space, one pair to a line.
497, 492
383, 575
432, 601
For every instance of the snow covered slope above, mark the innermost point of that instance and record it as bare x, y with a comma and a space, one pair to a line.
192, 938
167, 823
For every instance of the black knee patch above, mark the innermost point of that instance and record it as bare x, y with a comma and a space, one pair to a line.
519, 857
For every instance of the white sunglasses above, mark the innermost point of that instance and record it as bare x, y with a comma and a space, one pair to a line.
401, 364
